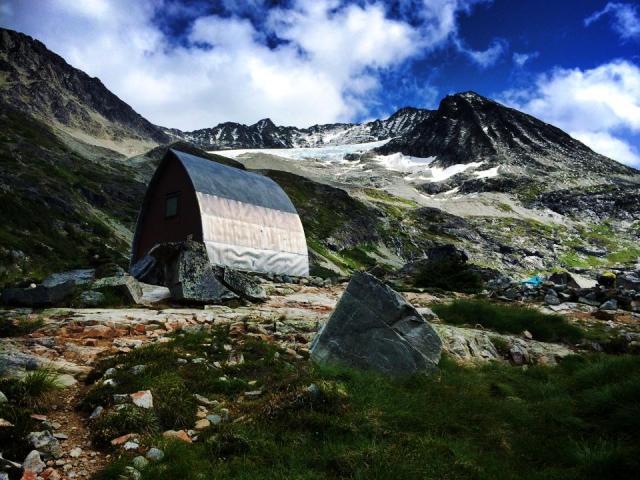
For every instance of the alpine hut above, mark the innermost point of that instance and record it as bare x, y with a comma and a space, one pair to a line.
246, 221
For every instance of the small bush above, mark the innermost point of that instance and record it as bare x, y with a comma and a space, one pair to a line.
509, 319
127, 419
33, 390
448, 275
173, 403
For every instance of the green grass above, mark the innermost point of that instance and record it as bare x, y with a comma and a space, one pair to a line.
34, 390
509, 319
575, 421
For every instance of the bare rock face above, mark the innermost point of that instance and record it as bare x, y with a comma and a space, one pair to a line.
374, 327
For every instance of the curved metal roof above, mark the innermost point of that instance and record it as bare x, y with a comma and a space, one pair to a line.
214, 178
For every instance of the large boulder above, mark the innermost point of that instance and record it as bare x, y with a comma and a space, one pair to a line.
38, 296
374, 327
184, 268
564, 279
125, 289
244, 285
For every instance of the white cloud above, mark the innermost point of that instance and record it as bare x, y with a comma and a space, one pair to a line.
485, 58
599, 106
625, 19
521, 58
614, 147
327, 69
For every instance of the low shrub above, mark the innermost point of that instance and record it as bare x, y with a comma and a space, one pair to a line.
509, 319
123, 420
448, 275
34, 390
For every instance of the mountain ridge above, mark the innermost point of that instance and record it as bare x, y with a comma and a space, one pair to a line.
41, 83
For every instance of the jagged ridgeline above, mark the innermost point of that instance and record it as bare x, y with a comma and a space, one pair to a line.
76, 160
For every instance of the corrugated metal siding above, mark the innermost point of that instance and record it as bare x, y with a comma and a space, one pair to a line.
228, 182
248, 221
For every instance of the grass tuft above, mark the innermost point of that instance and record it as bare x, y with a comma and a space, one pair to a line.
509, 319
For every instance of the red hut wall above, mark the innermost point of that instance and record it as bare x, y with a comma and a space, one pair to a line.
156, 226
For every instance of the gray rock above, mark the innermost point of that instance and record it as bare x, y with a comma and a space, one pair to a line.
155, 454
96, 412
214, 419
611, 304
3, 398
33, 462
374, 327
78, 277
564, 279
551, 298
40, 296
242, 284
139, 462
124, 287
184, 268
45, 442
92, 298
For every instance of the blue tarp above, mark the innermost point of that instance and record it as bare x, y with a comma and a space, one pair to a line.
533, 281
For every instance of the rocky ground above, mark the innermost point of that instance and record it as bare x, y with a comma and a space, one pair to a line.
71, 341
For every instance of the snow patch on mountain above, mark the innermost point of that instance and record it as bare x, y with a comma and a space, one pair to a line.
438, 174
332, 153
489, 173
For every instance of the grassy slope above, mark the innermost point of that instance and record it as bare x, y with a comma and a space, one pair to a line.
59, 209
578, 420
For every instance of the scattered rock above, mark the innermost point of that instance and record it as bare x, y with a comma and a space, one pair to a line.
551, 298
375, 327
139, 462
75, 453
45, 442
611, 304
3, 398
96, 412
92, 298
202, 424
33, 462
177, 435
564, 279
125, 287
39, 296
242, 284
131, 445
204, 400
155, 454
214, 419
122, 439
142, 399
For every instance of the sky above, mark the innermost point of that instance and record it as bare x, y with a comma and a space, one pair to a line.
194, 64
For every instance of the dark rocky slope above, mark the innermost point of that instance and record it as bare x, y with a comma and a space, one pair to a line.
37, 81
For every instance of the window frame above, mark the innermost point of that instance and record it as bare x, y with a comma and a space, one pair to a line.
167, 198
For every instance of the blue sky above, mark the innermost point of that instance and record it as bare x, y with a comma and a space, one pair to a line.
193, 64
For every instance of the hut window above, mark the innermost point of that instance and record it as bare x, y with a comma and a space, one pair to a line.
171, 205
